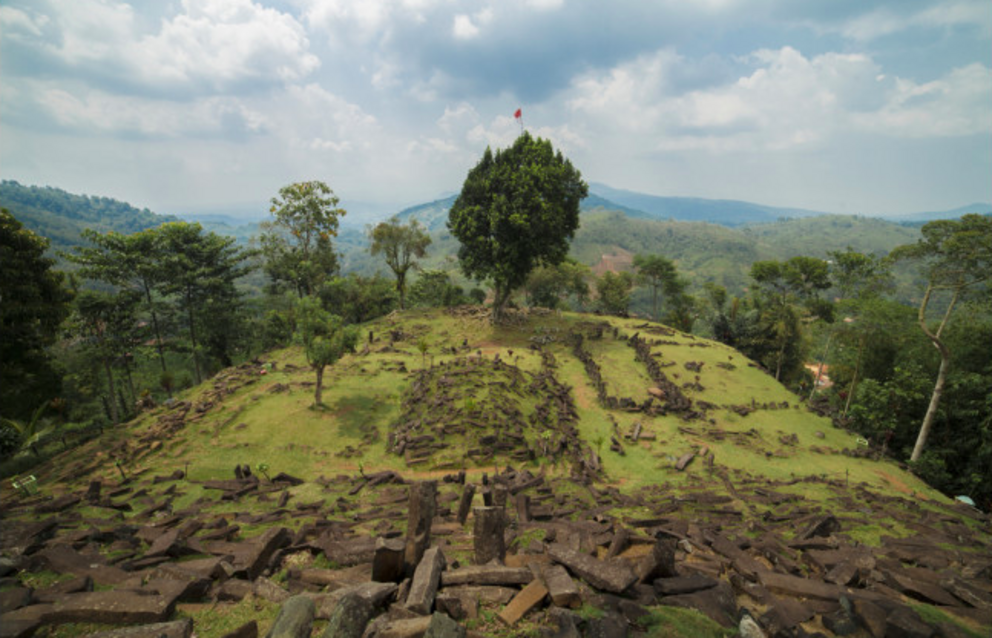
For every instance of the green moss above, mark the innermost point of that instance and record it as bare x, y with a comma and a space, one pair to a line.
675, 622
932, 615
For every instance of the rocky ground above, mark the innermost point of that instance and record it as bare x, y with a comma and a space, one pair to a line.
110, 547
389, 556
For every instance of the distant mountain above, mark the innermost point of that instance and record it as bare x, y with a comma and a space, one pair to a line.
954, 213
62, 216
726, 212
434, 215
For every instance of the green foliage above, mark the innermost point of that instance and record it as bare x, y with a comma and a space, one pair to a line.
517, 209
200, 270
128, 261
659, 274
956, 257
613, 290
324, 338
433, 289
35, 301
106, 324
401, 245
359, 299
297, 243
858, 275
553, 286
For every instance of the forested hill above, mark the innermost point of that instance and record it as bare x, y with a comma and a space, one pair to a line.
61, 216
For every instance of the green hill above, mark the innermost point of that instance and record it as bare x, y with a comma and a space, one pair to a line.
604, 434
61, 216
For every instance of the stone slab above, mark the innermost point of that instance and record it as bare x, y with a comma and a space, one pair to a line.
529, 597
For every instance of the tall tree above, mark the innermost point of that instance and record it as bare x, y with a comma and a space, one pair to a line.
657, 272
297, 242
104, 323
518, 208
956, 256
33, 303
324, 338
200, 269
614, 292
401, 245
132, 261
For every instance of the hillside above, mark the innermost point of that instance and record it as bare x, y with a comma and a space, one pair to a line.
620, 449
726, 212
62, 216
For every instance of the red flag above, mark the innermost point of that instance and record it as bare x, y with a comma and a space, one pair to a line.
518, 114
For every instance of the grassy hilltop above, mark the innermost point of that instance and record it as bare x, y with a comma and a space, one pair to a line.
479, 398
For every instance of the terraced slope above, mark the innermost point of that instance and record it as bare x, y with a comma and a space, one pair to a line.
661, 458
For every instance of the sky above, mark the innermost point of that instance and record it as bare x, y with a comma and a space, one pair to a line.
847, 106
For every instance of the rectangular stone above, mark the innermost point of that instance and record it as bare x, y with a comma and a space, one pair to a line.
799, 587
613, 576
425, 582
564, 592
528, 598
487, 575
112, 608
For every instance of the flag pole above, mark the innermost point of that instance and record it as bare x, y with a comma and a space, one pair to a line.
519, 116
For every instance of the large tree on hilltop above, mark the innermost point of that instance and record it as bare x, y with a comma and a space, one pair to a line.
518, 208
33, 303
956, 256
297, 242
401, 245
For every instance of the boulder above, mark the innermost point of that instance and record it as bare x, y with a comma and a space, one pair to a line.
350, 617
295, 619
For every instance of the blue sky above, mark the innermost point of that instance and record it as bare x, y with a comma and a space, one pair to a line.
845, 106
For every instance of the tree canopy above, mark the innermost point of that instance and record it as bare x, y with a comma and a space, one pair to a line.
401, 245
297, 242
35, 302
956, 255
518, 208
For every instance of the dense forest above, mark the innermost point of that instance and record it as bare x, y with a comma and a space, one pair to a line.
897, 317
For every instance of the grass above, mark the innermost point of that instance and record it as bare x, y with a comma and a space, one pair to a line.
933, 615
675, 622
219, 619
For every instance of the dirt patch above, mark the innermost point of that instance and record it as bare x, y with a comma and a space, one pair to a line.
620, 260
583, 396
899, 485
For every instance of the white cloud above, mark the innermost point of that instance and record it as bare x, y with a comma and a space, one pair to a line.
545, 5
463, 29
17, 23
954, 105
208, 46
885, 21
102, 112
788, 101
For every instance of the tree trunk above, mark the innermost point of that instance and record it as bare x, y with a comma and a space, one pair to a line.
654, 303
854, 378
318, 390
192, 337
945, 360
938, 390
158, 332
114, 417
401, 288
499, 302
